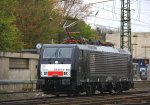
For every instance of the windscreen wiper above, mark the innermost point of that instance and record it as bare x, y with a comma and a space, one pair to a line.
55, 55
60, 54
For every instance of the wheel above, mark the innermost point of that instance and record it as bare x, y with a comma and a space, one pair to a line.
76, 93
111, 91
69, 94
118, 88
110, 88
89, 90
57, 94
93, 91
102, 88
101, 92
132, 85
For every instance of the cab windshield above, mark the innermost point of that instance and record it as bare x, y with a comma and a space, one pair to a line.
57, 52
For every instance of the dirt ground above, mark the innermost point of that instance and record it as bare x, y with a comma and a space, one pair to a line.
16, 96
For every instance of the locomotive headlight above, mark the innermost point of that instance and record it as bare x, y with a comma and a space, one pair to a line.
38, 46
56, 62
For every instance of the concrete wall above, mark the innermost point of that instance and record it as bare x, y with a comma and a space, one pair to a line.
141, 40
17, 79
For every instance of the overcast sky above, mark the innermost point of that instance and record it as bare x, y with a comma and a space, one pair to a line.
108, 14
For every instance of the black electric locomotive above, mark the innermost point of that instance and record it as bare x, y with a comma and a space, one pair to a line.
76, 68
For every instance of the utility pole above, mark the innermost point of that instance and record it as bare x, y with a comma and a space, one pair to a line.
125, 33
133, 45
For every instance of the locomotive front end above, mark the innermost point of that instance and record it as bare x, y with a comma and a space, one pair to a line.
55, 68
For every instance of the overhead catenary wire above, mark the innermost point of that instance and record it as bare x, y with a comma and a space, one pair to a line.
113, 9
104, 26
117, 8
140, 25
100, 2
119, 15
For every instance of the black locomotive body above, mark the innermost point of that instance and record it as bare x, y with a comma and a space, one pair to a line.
75, 68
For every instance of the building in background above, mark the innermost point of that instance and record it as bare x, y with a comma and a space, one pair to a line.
140, 49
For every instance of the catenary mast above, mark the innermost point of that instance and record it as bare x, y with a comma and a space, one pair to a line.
125, 32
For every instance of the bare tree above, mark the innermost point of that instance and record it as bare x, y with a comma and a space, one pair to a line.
73, 8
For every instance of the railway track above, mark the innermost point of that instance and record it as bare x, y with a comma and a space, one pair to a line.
117, 99
141, 84
95, 100
133, 97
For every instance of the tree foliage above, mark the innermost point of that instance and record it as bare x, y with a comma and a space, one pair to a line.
10, 36
38, 21
28, 22
42, 20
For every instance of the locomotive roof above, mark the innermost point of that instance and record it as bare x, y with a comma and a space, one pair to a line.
90, 47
